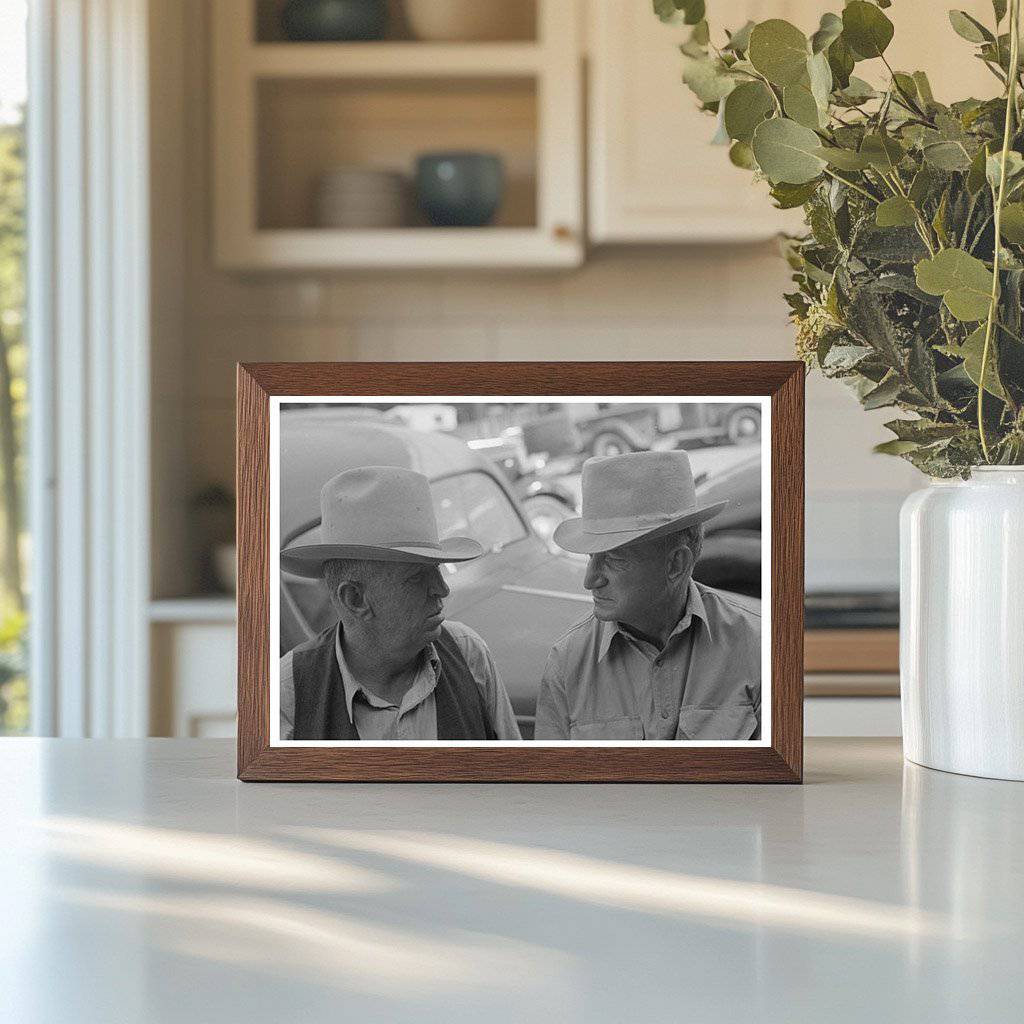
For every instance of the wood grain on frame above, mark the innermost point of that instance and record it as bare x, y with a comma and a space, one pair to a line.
530, 762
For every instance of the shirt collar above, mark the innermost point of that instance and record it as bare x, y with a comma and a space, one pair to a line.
694, 609
354, 688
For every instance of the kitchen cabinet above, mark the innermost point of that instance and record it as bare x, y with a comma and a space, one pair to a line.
653, 175
287, 114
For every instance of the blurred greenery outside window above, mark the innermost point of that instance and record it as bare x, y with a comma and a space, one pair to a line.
14, 538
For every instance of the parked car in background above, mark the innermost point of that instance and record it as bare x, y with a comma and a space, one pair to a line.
731, 557
520, 595
626, 428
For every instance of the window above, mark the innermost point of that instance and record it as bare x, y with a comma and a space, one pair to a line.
14, 707
473, 505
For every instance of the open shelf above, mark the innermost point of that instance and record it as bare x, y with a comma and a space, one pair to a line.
309, 127
286, 114
520, 24
388, 60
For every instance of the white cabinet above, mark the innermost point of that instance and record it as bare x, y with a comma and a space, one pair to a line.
654, 177
287, 114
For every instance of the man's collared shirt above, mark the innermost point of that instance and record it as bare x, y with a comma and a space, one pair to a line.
602, 682
416, 717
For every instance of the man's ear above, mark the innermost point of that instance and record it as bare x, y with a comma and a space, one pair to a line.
680, 562
350, 597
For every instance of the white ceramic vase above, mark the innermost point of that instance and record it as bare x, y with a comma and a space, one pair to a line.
962, 624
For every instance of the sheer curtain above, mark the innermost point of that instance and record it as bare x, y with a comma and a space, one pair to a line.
88, 302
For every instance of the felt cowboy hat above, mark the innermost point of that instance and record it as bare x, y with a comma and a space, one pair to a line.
378, 513
628, 497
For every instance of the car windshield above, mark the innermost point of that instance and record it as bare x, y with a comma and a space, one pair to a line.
473, 505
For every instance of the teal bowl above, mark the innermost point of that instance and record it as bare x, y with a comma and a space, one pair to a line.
460, 189
334, 21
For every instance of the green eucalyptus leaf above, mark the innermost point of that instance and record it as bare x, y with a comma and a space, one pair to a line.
882, 395
800, 105
779, 51
895, 447
741, 155
693, 10
963, 281
882, 151
1011, 225
829, 30
844, 159
786, 151
976, 173
969, 28
924, 88
841, 62
857, 91
819, 74
923, 431
993, 167
708, 80
906, 84
895, 212
999, 9
689, 12
701, 34
947, 156
666, 10
788, 196
745, 108
922, 185
739, 41
866, 29
971, 351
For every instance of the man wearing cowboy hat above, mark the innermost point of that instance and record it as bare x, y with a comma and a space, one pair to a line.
391, 668
660, 657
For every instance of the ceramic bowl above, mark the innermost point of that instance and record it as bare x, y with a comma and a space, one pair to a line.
460, 189
359, 197
470, 20
332, 21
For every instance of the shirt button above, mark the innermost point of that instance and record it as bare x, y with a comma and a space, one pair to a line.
664, 714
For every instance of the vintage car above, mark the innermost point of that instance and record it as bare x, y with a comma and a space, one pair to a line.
625, 428
519, 595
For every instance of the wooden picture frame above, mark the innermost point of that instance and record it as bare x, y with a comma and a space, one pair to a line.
779, 759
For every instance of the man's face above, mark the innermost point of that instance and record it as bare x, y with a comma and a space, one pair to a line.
407, 599
629, 584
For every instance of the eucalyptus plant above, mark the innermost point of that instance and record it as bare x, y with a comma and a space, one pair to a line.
902, 289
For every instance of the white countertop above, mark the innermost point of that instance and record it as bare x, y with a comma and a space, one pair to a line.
140, 882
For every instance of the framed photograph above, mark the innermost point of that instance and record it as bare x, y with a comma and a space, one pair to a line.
518, 572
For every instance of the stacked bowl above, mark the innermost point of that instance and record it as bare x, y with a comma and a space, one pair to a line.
362, 197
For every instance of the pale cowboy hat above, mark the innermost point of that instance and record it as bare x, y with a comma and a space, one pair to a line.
378, 513
627, 497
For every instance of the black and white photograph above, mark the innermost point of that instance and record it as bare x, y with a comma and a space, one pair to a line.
502, 570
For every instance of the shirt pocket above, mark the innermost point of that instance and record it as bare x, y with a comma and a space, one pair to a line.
732, 722
607, 729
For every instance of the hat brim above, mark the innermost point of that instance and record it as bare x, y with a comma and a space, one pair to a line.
571, 535
308, 559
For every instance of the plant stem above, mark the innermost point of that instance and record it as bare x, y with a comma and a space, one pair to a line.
853, 185
907, 99
1011, 108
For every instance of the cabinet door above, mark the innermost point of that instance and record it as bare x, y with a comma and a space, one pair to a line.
653, 174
